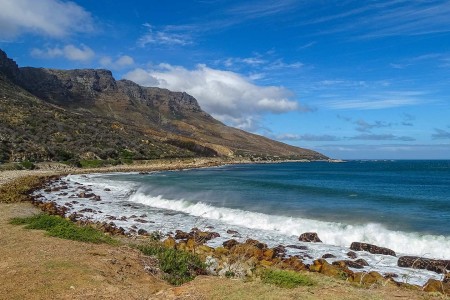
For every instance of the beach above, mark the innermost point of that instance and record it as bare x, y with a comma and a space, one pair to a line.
191, 288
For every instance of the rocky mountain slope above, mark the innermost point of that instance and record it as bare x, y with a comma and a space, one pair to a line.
48, 114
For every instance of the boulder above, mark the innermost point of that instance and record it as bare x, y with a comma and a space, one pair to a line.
352, 254
297, 247
351, 264
142, 232
181, 235
434, 285
230, 244
279, 251
309, 237
293, 263
364, 278
328, 255
416, 262
356, 246
256, 243
322, 266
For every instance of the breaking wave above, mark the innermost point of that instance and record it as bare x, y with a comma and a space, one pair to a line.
332, 233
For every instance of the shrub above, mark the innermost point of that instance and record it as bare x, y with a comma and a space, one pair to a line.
28, 165
62, 228
285, 279
179, 266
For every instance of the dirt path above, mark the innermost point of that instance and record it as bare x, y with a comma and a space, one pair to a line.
35, 266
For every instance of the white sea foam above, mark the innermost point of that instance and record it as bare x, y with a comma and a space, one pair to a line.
119, 199
329, 232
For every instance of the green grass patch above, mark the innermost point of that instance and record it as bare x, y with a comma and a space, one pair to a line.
64, 229
285, 278
179, 266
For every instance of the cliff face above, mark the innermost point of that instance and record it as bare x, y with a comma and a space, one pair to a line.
172, 121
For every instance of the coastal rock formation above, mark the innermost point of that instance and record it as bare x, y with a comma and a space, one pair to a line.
323, 267
86, 114
416, 262
371, 248
434, 285
309, 237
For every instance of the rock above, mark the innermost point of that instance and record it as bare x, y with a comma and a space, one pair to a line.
322, 266
371, 248
229, 231
203, 249
416, 262
142, 232
181, 235
279, 251
247, 251
269, 254
364, 278
352, 254
309, 237
293, 263
107, 190
230, 244
87, 210
434, 285
141, 221
347, 263
256, 243
170, 243
328, 255
297, 247
74, 217
362, 262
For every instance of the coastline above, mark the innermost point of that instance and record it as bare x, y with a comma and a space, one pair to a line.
8, 176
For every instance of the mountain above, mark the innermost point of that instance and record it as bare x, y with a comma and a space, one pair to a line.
48, 114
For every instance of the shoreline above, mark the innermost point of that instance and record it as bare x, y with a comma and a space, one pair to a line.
155, 166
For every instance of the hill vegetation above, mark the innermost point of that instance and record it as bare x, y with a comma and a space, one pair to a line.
86, 116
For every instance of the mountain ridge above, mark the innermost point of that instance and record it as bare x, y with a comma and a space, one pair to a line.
145, 122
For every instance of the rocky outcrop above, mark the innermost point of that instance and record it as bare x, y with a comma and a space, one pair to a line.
310, 237
416, 262
433, 286
8, 67
371, 248
87, 114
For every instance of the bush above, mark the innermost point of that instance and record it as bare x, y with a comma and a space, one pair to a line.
62, 228
179, 266
28, 165
285, 279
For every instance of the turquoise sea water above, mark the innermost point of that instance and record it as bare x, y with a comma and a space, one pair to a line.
409, 196
401, 205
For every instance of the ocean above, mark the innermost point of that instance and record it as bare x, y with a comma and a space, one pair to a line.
402, 205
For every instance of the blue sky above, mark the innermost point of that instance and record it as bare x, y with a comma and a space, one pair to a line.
351, 79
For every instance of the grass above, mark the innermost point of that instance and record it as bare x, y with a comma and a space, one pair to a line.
18, 190
62, 228
179, 266
285, 279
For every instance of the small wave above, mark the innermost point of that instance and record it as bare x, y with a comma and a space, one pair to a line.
330, 232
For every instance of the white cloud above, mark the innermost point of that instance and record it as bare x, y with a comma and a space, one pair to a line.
305, 137
229, 96
164, 37
54, 18
70, 52
122, 62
